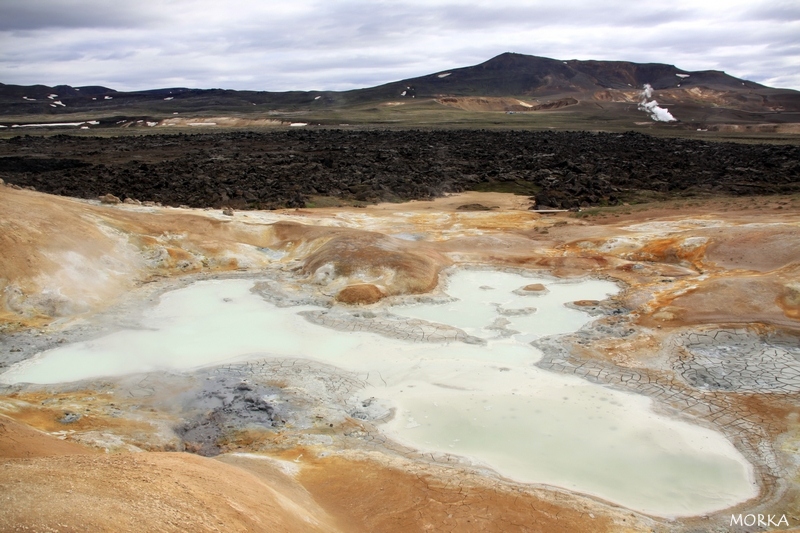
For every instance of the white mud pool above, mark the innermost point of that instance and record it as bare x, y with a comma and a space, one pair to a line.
455, 377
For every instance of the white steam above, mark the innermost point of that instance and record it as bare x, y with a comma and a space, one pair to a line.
659, 114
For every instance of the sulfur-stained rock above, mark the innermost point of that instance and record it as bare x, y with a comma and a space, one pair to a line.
534, 287
362, 293
110, 199
400, 266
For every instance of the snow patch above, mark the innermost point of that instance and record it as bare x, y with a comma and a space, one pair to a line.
317, 97
52, 96
682, 75
108, 98
29, 99
443, 74
50, 125
168, 98
298, 124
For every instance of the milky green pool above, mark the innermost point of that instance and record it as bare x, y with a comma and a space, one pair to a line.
487, 403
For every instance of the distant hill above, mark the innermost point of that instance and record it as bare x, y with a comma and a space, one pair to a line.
511, 83
523, 75
518, 75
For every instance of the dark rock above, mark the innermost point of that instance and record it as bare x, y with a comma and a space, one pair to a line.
69, 417
475, 207
266, 170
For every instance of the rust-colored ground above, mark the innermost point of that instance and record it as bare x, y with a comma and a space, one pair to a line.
716, 261
369, 497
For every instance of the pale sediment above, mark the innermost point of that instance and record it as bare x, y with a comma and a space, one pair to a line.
723, 408
389, 325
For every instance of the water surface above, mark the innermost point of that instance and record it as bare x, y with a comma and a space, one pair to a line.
486, 403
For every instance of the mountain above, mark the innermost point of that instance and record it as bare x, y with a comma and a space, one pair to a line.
518, 75
512, 74
510, 82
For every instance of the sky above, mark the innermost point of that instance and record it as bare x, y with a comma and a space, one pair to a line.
339, 45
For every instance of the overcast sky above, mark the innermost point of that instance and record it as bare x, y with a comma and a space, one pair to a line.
314, 45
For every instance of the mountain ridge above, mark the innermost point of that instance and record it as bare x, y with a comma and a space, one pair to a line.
509, 82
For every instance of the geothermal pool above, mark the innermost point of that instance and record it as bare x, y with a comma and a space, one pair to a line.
485, 402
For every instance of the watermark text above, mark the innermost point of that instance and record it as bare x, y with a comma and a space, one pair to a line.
762, 520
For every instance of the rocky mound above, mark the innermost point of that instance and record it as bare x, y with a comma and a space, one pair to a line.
158, 492
360, 293
289, 168
341, 255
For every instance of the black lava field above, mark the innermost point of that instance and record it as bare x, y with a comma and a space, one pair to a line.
288, 168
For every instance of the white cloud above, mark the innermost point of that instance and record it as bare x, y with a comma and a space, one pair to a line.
311, 44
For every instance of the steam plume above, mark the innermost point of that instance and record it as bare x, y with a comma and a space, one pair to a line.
659, 114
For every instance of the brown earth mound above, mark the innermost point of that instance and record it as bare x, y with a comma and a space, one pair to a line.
362, 293
54, 485
370, 497
534, 287
145, 492
53, 249
754, 247
737, 299
404, 267
488, 103
19, 441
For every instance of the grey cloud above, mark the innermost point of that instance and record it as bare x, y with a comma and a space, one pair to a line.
23, 15
782, 11
343, 45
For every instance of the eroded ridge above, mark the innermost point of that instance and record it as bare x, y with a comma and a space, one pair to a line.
389, 325
738, 360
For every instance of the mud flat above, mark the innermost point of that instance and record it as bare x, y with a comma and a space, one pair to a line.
476, 395
548, 370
